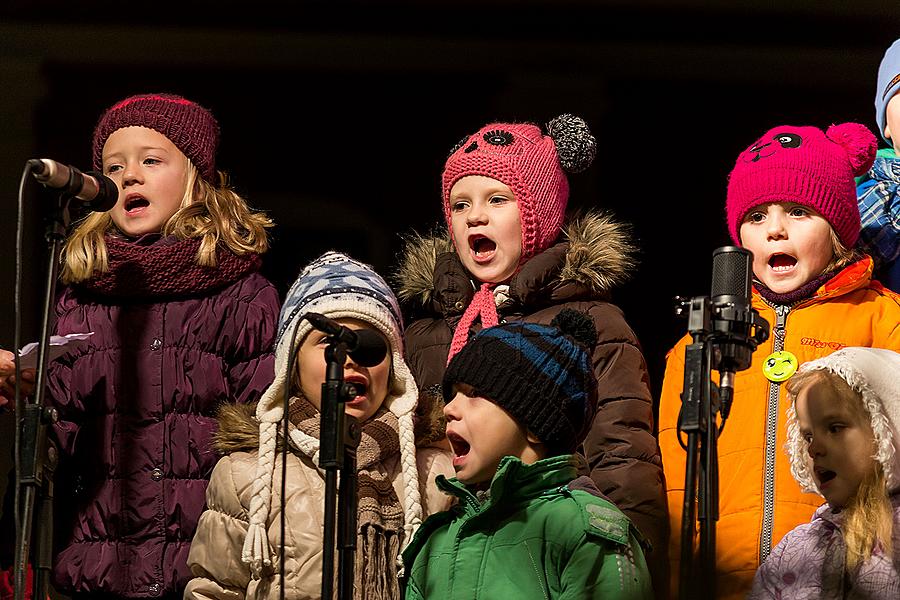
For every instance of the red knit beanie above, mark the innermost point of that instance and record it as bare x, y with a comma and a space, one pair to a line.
806, 166
532, 165
188, 125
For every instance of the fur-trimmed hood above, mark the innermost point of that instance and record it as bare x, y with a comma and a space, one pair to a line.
238, 429
594, 254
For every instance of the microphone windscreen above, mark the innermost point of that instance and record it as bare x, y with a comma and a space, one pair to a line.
370, 348
731, 271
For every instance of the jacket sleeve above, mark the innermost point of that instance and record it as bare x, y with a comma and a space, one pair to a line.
879, 210
600, 570
621, 450
61, 393
215, 556
251, 363
888, 329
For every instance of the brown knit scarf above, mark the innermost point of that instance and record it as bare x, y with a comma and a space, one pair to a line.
158, 267
379, 514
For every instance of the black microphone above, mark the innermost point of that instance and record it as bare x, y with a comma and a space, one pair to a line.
365, 346
97, 191
737, 328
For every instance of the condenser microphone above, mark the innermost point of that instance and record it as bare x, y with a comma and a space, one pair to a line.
365, 346
95, 190
737, 328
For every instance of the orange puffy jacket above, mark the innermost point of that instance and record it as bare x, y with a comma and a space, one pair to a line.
759, 500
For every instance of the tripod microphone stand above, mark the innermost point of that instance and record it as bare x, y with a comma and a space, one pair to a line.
339, 439
725, 331
36, 456
340, 435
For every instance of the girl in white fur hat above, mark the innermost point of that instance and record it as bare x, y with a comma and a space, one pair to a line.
843, 443
235, 552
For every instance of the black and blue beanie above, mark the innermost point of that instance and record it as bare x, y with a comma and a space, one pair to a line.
541, 375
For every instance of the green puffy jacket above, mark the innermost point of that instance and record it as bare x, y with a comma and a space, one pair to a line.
531, 536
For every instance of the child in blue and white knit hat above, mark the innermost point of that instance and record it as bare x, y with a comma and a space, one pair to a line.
238, 536
878, 192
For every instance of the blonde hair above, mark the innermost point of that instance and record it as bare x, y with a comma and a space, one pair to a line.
868, 516
214, 213
841, 255
868, 520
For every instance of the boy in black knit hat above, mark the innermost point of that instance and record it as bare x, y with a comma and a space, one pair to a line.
523, 398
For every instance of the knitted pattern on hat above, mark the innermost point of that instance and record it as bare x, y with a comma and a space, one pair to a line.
338, 287
806, 166
532, 165
888, 86
542, 376
189, 126
873, 373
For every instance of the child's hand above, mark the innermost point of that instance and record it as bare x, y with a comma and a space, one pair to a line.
8, 379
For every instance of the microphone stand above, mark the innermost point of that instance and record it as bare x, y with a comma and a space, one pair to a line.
36, 456
700, 405
339, 438
724, 336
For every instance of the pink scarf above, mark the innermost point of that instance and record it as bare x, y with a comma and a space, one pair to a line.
482, 305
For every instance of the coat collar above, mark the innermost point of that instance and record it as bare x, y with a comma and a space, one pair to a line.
594, 255
514, 480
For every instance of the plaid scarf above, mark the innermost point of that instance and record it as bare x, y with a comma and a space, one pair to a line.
379, 513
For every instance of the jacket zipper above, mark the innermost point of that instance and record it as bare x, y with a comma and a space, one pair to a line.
765, 540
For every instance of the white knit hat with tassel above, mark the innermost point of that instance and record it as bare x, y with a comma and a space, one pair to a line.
338, 287
874, 373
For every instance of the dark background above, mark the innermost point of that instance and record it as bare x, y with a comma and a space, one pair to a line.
337, 116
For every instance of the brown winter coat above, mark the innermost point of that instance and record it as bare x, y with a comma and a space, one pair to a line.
595, 255
215, 557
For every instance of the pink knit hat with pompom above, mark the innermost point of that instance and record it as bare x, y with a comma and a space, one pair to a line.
532, 165
806, 166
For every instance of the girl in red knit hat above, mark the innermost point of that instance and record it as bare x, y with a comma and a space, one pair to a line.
791, 201
168, 282
508, 255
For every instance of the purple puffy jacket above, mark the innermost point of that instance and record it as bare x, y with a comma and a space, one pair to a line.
137, 408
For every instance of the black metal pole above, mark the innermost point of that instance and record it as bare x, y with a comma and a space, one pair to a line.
347, 508
37, 459
330, 458
339, 438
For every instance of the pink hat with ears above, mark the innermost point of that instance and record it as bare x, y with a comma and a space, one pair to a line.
532, 165
806, 166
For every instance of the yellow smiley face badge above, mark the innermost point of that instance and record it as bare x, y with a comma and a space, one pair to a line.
779, 366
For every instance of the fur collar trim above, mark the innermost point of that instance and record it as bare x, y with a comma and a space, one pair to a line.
599, 254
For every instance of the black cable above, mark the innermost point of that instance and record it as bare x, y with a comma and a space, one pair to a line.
284, 451
19, 400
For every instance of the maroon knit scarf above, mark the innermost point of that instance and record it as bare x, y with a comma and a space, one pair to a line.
160, 267
807, 290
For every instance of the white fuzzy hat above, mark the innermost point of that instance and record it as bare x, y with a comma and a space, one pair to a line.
338, 287
874, 373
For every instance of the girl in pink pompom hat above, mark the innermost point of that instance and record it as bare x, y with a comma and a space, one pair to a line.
791, 201
509, 254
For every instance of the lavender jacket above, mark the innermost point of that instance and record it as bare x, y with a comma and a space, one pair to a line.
137, 408
809, 563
